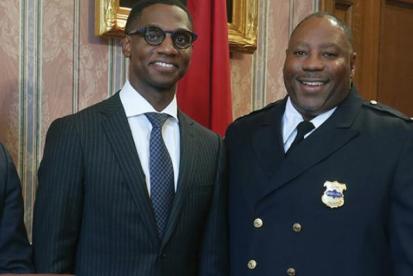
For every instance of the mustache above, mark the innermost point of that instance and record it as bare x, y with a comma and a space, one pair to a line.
312, 75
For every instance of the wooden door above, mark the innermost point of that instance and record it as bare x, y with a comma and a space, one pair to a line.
383, 40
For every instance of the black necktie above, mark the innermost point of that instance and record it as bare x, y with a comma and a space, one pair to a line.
302, 129
161, 172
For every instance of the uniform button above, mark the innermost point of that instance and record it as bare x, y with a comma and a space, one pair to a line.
291, 271
411, 118
297, 227
258, 223
252, 264
373, 102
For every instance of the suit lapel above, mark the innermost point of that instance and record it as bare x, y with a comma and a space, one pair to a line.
119, 135
324, 141
188, 146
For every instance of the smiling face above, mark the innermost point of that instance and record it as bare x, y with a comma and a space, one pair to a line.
319, 66
155, 69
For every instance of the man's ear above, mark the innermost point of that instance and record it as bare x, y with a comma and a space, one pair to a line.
126, 46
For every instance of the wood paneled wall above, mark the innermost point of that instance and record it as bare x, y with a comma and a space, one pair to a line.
382, 38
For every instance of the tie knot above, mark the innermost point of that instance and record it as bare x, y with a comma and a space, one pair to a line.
157, 119
304, 127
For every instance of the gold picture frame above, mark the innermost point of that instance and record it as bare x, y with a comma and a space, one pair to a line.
110, 20
242, 30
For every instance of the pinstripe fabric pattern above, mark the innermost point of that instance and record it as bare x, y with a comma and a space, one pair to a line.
93, 214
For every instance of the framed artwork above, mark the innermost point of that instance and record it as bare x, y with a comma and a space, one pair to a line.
242, 24
111, 15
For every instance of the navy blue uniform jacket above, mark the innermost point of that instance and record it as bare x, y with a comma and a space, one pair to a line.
367, 147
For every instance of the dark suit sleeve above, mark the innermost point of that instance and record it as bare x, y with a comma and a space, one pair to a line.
214, 256
15, 251
59, 200
401, 211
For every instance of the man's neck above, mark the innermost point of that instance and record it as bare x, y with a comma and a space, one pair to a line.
159, 98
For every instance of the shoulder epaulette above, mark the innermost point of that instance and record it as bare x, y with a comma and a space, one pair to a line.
387, 110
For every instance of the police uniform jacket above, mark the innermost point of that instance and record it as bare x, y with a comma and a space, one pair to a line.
279, 224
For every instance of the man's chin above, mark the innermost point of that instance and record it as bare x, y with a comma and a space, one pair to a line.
164, 84
308, 110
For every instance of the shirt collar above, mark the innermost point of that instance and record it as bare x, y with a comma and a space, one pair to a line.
134, 104
292, 118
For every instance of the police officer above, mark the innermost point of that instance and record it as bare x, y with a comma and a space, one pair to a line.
321, 182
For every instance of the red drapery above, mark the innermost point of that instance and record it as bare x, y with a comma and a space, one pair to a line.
205, 91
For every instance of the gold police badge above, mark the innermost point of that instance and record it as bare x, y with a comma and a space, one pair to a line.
333, 196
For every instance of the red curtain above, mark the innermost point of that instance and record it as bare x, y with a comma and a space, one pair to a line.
205, 91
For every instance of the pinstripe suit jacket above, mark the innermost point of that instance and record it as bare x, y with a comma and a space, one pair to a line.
93, 215
15, 251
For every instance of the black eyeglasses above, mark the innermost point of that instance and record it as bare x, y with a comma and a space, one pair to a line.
154, 36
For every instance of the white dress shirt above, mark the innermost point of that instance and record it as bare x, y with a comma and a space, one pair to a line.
292, 118
135, 107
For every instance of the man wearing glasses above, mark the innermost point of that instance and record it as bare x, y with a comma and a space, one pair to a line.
132, 186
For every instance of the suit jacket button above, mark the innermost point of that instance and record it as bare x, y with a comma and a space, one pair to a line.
258, 223
252, 264
291, 272
297, 227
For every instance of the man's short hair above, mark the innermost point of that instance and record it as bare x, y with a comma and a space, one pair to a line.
347, 31
136, 11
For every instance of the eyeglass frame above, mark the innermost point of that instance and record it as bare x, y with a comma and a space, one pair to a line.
142, 32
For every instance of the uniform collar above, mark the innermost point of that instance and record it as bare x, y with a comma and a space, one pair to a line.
292, 118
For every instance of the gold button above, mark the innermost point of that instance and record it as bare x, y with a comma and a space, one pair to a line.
297, 227
252, 264
258, 223
373, 102
291, 271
